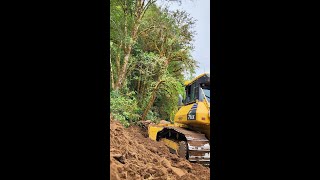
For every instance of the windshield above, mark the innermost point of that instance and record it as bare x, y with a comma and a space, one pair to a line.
207, 93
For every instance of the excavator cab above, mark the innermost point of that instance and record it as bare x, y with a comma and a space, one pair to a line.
198, 89
196, 107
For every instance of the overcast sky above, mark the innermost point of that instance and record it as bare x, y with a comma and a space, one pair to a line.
199, 10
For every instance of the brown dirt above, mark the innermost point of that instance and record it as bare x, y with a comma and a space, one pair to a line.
134, 156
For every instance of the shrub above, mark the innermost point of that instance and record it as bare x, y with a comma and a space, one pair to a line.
124, 107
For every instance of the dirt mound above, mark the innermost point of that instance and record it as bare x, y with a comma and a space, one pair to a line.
134, 156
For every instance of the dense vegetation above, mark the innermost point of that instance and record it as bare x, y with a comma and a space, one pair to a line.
149, 57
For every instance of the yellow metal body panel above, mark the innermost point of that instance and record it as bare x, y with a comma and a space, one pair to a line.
201, 118
173, 145
153, 131
201, 122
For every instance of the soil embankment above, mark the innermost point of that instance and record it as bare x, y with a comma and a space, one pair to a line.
133, 156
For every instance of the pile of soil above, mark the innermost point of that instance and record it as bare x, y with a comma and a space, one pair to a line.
135, 156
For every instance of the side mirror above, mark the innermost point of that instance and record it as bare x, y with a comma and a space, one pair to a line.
180, 100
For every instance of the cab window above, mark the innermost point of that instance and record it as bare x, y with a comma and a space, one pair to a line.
192, 93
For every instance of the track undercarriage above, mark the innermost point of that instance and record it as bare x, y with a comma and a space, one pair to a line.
191, 145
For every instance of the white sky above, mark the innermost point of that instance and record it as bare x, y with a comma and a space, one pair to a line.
199, 10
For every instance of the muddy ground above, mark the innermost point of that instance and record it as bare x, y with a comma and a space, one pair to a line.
134, 156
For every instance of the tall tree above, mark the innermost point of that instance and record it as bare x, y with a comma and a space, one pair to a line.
150, 49
133, 12
171, 38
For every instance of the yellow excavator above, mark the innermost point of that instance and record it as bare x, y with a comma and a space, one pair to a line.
189, 135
